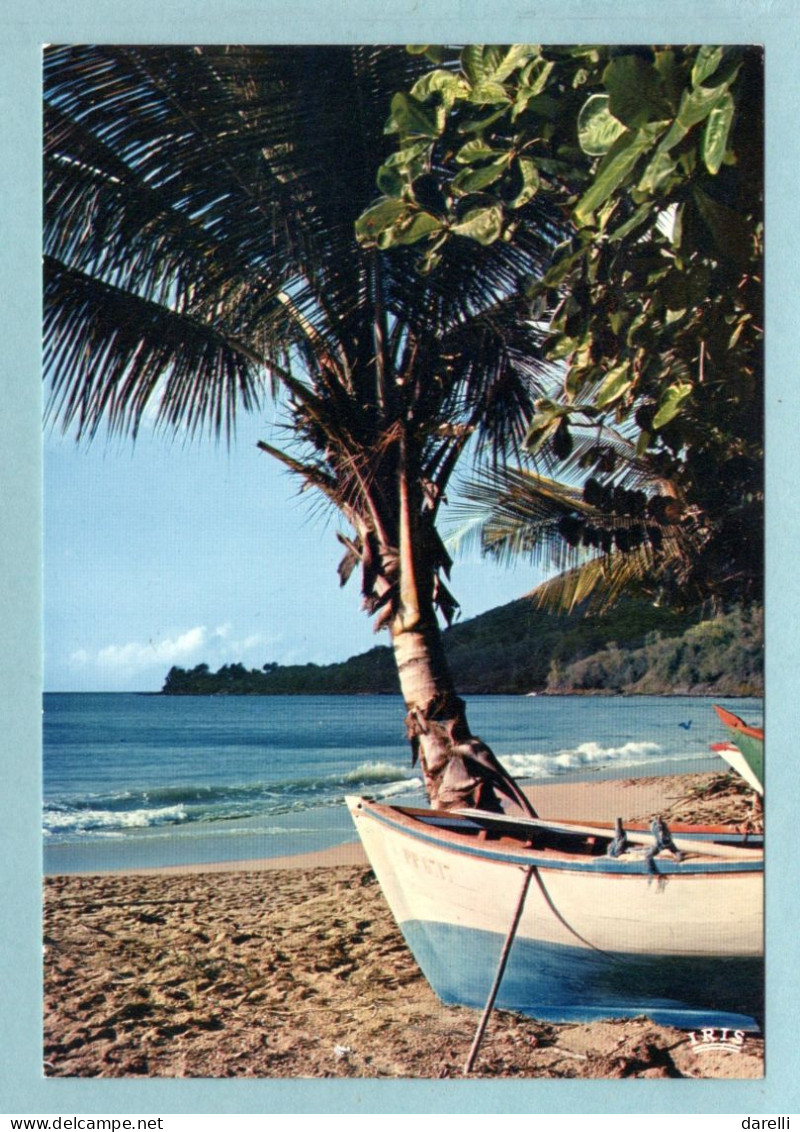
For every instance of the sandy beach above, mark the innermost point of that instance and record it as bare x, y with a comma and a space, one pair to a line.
294, 967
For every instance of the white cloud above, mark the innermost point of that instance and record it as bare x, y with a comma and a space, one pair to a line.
135, 656
251, 642
196, 645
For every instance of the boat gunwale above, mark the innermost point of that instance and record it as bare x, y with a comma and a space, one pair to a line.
602, 828
737, 725
412, 824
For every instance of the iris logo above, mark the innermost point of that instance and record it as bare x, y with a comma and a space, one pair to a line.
724, 1040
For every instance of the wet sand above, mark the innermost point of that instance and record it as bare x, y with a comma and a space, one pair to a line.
294, 967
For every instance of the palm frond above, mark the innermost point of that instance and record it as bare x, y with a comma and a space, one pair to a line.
112, 354
597, 550
597, 584
514, 511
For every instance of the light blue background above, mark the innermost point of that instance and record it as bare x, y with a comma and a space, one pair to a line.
26, 27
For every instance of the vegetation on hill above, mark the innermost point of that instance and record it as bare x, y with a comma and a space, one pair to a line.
518, 648
720, 657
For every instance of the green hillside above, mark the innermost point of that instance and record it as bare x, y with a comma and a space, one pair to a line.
518, 648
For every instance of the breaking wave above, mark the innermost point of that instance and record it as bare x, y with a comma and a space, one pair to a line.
118, 812
586, 756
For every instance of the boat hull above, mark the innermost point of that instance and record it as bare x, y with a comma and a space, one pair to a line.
749, 741
737, 761
603, 939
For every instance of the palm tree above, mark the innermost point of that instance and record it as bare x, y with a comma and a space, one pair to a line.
200, 253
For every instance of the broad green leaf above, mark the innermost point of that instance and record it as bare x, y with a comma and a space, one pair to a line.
614, 168
489, 93
445, 83
538, 434
598, 129
534, 78
475, 150
550, 410
422, 225
715, 134
697, 104
378, 218
642, 213
478, 125
562, 348
475, 180
409, 155
740, 325
402, 167
635, 89
548, 417
676, 133
530, 182
705, 64
658, 172
580, 368
477, 62
643, 443
410, 119
605, 212
433, 256
617, 382
516, 56
481, 224
433, 51
671, 402
390, 182
564, 260
672, 76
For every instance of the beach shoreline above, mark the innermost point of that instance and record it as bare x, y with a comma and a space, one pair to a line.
294, 967
599, 799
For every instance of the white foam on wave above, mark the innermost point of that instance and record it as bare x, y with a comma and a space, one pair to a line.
406, 786
374, 772
589, 755
57, 821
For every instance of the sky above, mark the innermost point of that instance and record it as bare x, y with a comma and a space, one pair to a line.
170, 552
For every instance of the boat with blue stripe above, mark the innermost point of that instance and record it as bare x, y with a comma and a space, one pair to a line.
581, 925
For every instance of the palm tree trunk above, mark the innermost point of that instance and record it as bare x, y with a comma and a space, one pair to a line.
459, 770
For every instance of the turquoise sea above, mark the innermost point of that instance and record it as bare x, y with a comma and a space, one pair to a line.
148, 780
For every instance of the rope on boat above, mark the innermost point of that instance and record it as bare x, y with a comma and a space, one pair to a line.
501, 966
565, 923
620, 841
662, 839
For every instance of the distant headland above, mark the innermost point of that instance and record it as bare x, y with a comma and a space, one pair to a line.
635, 649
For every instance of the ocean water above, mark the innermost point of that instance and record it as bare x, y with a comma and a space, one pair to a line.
145, 780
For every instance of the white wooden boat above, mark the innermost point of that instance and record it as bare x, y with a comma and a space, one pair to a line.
676, 938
